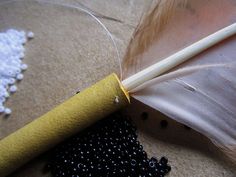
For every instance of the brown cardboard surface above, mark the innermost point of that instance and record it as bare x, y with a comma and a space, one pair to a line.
70, 52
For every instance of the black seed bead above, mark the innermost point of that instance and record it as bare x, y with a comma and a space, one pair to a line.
144, 115
133, 162
160, 166
154, 160
168, 168
164, 160
152, 164
164, 124
162, 171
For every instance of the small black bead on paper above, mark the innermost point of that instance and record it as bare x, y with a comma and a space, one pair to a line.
107, 149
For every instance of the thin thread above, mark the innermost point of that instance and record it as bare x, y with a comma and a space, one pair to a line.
78, 7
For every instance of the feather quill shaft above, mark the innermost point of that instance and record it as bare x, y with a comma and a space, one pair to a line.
178, 58
181, 73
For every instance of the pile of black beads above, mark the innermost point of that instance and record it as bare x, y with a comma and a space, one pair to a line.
107, 149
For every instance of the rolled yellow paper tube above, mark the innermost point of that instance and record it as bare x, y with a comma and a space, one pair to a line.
72, 116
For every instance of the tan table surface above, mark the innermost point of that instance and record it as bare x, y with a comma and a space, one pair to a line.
61, 60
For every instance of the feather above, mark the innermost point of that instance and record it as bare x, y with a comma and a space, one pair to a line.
200, 92
148, 30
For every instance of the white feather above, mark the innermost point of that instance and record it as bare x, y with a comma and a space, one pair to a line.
202, 97
200, 93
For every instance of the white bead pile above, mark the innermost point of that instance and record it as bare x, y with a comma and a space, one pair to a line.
11, 66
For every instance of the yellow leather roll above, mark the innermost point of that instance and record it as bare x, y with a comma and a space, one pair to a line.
72, 116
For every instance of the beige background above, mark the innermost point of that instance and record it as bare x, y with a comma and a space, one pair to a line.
70, 52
